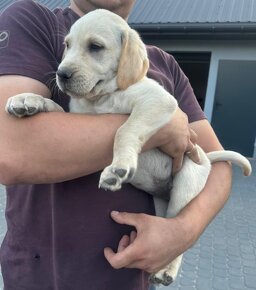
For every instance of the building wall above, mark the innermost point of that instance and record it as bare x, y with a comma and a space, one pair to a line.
220, 50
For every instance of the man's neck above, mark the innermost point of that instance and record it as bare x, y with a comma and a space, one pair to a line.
88, 6
74, 7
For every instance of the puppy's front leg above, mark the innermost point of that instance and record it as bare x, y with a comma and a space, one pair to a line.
28, 104
143, 122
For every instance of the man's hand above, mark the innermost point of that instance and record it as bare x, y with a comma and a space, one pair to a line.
154, 244
176, 139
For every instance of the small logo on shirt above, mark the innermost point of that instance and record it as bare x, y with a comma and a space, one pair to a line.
4, 39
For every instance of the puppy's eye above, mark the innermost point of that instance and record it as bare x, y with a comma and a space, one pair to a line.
95, 47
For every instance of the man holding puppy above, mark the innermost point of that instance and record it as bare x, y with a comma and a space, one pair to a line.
59, 228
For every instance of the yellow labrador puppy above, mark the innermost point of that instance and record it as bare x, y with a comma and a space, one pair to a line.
104, 71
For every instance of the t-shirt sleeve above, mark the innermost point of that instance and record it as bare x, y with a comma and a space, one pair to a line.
28, 42
165, 69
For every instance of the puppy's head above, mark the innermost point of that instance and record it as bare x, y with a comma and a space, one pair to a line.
102, 54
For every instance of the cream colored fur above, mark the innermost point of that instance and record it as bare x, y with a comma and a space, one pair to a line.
103, 70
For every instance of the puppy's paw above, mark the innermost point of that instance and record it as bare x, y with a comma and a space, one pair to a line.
26, 104
109, 180
29, 104
113, 177
161, 277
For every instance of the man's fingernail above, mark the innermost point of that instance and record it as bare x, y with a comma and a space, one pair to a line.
114, 212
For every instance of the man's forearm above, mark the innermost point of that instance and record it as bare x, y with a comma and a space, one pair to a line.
201, 210
53, 147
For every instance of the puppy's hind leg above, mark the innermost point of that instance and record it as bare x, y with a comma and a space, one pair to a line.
187, 184
167, 275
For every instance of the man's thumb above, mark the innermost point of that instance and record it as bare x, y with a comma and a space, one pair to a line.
125, 218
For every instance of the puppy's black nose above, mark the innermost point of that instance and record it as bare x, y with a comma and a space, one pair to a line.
64, 74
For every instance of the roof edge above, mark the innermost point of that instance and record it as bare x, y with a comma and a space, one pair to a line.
197, 30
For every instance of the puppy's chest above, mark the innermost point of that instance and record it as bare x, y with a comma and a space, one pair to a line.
110, 103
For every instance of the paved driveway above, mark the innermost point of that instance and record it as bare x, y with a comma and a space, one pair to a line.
224, 258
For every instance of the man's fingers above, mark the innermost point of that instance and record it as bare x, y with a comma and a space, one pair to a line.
121, 259
131, 219
126, 252
193, 136
124, 243
192, 153
177, 164
133, 236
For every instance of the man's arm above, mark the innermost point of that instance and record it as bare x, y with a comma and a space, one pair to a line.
51, 147
216, 192
158, 240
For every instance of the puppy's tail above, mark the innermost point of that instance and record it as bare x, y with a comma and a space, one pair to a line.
233, 157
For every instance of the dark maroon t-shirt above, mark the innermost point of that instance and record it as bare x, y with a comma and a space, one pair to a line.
57, 232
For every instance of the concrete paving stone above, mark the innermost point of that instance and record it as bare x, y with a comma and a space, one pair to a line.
219, 259
191, 255
205, 273
207, 240
190, 275
232, 241
186, 267
220, 273
192, 262
253, 239
220, 266
235, 259
252, 226
235, 268
206, 249
203, 284
194, 251
244, 238
220, 246
234, 264
204, 263
250, 281
235, 271
220, 283
205, 255
184, 288
249, 270
233, 251
248, 256
236, 282
249, 263
185, 281
231, 233
207, 233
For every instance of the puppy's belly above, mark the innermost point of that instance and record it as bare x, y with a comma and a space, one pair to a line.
153, 174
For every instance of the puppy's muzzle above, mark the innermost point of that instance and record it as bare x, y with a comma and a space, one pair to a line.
64, 74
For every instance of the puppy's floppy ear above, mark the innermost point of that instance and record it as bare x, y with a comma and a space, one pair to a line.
133, 64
